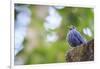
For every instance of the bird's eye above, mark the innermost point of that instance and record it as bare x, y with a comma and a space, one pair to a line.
71, 28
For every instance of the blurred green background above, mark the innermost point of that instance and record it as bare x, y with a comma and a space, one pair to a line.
46, 34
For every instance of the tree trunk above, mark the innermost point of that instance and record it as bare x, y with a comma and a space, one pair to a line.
85, 52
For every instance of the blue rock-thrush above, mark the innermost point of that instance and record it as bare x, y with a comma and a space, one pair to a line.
74, 37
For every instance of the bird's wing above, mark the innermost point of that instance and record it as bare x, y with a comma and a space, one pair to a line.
78, 36
72, 39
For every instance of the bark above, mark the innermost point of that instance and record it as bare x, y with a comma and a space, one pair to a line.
85, 52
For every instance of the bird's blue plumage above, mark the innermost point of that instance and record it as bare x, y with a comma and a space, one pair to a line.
75, 38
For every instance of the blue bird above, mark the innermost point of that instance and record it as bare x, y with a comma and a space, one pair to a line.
74, 37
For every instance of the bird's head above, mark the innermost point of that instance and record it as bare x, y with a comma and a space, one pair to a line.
72, 27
